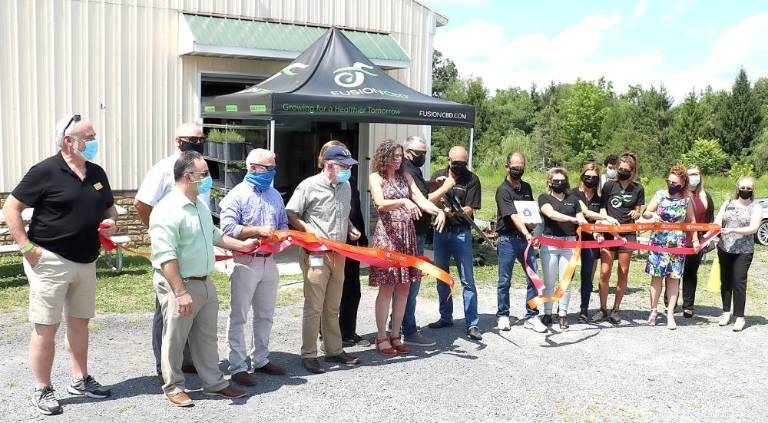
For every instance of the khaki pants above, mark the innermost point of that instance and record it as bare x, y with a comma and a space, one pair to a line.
253, 285
199, 328
322, 295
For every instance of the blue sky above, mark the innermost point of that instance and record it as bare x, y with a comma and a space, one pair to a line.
683, 44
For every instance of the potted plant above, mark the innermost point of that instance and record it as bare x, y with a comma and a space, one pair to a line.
234, 146
234, 174
214, 143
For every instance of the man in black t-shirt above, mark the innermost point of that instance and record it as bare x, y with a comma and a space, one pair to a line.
415, 157
456, 241
514, 236
71, 197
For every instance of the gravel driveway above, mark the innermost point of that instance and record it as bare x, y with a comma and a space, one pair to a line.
627, 373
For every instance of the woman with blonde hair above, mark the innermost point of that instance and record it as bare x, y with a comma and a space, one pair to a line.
704, 212
561, 212
399, 202
671, 205
739, 219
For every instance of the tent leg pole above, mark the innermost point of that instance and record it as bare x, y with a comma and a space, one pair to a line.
471, 145
271, 144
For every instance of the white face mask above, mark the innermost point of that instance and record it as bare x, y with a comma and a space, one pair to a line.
694, 180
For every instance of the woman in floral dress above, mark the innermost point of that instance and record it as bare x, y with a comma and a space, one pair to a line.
399, 202
671, 206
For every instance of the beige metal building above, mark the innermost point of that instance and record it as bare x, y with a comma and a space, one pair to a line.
138, 68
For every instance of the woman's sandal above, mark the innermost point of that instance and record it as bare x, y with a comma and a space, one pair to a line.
389, 351
652, 318
400, 347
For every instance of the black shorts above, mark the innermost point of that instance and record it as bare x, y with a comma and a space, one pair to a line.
630, 237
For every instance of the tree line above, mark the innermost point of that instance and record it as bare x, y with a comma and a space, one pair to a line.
568, 124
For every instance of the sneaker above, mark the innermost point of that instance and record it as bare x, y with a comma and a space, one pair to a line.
725, 318
419, 339
88, 387
600, 316
45, 401
534, 323
614, 317
547, 320
502, 323
739, 325
474, 333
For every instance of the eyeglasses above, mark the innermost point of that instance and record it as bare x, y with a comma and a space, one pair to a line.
343, 166
193, 140
417, 153
200, 172
75, 118
267, 168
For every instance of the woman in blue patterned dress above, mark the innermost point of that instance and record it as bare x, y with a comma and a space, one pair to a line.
671, 206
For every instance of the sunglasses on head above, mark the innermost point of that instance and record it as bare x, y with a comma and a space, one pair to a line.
75, 118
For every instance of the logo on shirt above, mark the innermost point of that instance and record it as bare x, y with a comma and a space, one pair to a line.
621, 200
98, 186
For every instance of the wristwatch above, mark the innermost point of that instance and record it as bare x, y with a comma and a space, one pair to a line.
27, 248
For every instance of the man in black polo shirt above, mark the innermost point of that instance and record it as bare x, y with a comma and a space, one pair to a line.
456, 241
514, 236
415, 157
71, 197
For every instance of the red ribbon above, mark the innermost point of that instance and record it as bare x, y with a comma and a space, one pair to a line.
282, 239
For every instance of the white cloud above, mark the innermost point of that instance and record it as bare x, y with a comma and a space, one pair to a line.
483, 48
641, 8
678, 8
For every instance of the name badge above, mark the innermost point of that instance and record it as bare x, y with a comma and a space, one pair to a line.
98, 186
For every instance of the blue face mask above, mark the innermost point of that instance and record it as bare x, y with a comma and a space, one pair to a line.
204, 185
91, 149
343, 175
260, 180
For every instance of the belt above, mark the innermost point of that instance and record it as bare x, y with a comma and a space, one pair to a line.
196, 278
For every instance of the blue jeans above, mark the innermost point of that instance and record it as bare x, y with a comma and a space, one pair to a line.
459, 246
588, 258
409, 319
510, 249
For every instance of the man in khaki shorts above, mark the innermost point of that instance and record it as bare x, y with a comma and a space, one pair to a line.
71, 197
321, 204
183, 237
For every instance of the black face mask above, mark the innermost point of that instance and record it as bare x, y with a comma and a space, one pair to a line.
674, 189
459, 168
418, 161
745, 194
590, 181
624, 175
188, 146
516, 172
558, 187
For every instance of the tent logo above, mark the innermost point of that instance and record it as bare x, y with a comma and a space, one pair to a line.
289, 70
352, 76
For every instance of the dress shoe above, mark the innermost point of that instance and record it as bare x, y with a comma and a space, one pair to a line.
312, 365
270, 369
229, 392
243, 379
440, 324
344, 358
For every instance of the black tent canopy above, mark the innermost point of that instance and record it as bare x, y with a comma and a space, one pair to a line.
333, 81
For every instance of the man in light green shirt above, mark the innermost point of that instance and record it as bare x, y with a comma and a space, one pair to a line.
183, 236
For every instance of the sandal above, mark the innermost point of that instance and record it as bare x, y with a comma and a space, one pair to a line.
399, 347
389, 351
652, 318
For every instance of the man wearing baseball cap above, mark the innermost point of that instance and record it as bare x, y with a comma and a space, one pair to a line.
321, 205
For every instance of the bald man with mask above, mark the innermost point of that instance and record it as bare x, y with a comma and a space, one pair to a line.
456, 241
157, 183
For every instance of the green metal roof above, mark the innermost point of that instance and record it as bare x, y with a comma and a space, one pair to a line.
285, 40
